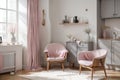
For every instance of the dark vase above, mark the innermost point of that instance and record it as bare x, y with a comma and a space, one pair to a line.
75, 20
0, 39
66, 20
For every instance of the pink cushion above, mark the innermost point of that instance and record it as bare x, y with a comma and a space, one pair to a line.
55, 50
85, 55
85, 62
55, 58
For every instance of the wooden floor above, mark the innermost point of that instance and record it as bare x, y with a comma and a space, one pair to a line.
112, 75
8, 76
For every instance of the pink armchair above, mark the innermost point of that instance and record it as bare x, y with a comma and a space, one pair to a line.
55, 52
92, 60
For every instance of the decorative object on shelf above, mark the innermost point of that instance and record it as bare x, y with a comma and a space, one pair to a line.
115, 35
71, 37
85, 20
13, 39
43, 19
107, 32
71, 19
66, 19
75, 20
88, 31
78, 42
0, 39
12, 32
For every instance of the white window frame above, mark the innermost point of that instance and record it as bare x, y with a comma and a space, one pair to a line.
6, 9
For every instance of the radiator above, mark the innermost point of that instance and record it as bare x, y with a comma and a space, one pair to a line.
8, 63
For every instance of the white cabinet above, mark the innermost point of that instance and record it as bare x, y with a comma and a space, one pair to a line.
117, 7
110, 8
107, 8
115, 52
113, 55
17, 49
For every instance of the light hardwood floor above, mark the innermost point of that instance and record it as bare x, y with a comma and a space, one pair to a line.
112, 75
7, 76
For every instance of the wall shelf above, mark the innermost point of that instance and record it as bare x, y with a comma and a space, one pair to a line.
67, 24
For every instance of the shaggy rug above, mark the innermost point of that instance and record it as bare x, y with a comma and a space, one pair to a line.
67, 74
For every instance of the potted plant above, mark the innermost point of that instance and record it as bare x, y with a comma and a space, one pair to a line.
88, 31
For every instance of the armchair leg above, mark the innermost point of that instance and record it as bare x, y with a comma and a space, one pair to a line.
48, 64
80, 68
92, 73
105, 72
104, 69
63, 66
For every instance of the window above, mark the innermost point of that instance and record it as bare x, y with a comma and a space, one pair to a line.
8, 18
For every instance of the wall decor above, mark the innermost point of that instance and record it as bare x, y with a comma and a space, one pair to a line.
0, 39
43, 19
75, 19
66, 19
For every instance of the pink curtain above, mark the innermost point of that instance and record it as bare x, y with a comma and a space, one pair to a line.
33, 35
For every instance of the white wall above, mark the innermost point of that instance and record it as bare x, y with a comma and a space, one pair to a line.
45, 31
60, 8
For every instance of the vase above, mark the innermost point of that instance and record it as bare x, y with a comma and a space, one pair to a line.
66, 20
13, 39
88, 37
75, 20
0, 39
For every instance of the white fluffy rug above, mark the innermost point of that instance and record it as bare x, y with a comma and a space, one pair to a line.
67, 74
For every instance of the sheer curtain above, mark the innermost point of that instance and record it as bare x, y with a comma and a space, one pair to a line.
33, 39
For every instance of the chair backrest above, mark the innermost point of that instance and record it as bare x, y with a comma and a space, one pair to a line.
99, 57
100, 53
55, 49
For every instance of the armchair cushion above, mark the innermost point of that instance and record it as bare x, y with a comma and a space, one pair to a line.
55, 59
85, 62
55, 50
85, 55
90, 55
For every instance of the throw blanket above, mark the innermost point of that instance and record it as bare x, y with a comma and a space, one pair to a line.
1, 62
